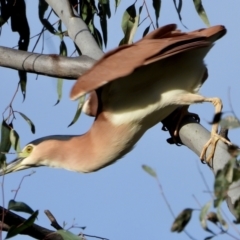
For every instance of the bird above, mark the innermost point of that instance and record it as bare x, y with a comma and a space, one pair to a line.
131, 88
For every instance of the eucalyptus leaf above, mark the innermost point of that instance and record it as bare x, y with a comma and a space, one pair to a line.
129, 24
203, 215
79, 110
157, 7
117, 2
230, 122
14, 230
146, 30
15, 140
28, 121
201, 12
149, 170
5, 144
182, 220
19, 207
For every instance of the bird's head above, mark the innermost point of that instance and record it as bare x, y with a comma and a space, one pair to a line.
41, 152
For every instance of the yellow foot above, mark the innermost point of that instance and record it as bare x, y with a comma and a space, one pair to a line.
213, 142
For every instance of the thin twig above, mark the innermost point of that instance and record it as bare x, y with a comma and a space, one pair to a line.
168, 205
144, 3
19, 186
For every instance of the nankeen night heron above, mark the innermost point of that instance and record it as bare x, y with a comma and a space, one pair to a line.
133, 87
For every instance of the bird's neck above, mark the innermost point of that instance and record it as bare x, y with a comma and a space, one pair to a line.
102, 145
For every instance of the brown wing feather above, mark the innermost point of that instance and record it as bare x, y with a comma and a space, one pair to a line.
161, 43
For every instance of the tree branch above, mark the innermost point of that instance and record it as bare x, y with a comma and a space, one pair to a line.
77, 29
34, 231
193, 135
45, 64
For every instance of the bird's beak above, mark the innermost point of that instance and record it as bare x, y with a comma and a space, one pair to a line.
14, 166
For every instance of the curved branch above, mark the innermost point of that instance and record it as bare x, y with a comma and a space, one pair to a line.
45, 64
77, 29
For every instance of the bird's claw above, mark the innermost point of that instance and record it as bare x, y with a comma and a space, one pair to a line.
213, 142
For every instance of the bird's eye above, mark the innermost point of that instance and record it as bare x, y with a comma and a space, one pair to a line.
29, 149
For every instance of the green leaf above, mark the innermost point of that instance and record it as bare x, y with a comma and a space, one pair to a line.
203, 215
104, 11
62, 52
66, 235
221, 186
14, 230
140, 10
117, 2
182, 220
230, 122
15, 141
63, 49
201, 12
129, 24
149, 170
157, 7
28, 121
79, 110
146, 31
19, 207
42, 8
5, 141
236, 207
23, 83
221, 220
178, 9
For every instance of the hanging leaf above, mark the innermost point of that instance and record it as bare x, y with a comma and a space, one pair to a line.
62, 52
178, 8
42, 8
157, 7
229, 122
5, 141
236, 207
28, 121
220, 219
103, 13
79, 110
203, 215
23, 83
146, 31
19, 23
15, 141
201, 12
129, 24
19, 207
149, 170
14, 230
117, 2
182, 220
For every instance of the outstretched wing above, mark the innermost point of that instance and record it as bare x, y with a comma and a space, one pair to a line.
159, 44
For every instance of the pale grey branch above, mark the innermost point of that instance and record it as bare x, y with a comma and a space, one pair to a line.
77, 29
45, 64
194, 136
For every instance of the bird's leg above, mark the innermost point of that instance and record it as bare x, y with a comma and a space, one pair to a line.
215, 137
188, 99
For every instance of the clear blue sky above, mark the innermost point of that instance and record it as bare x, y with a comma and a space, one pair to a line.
122, 201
